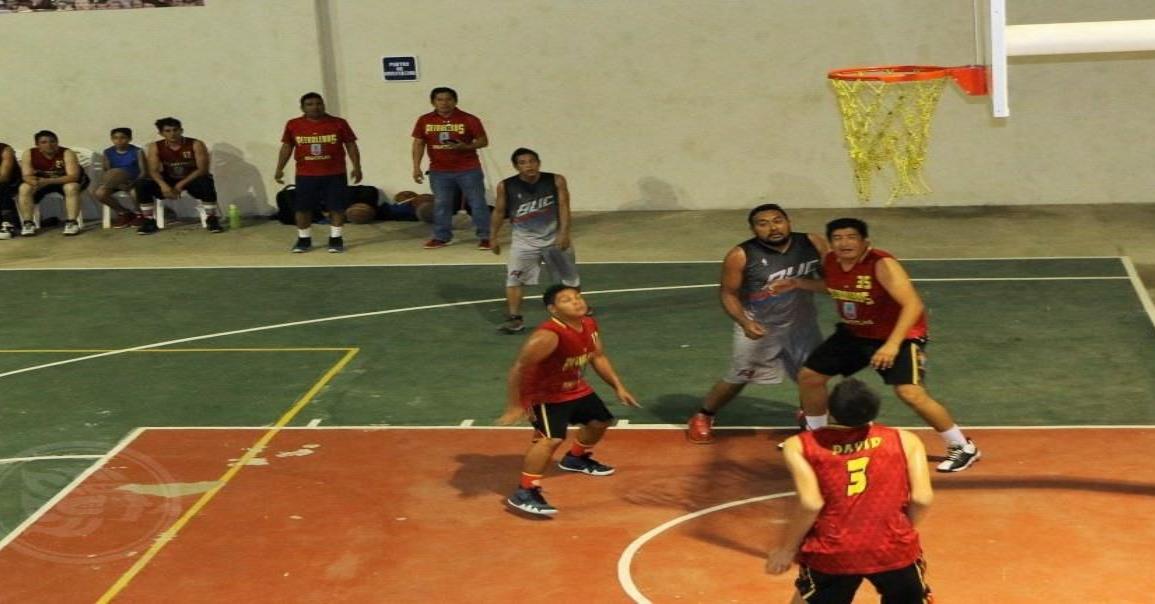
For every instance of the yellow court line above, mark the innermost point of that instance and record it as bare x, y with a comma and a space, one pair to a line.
169, 534
94, 350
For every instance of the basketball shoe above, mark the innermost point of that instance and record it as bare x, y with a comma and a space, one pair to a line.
960, 457
700, 430
584, 464
530, 501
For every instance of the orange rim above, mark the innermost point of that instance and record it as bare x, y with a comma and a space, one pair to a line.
891, 73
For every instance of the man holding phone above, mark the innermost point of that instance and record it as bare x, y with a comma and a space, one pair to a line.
452, 137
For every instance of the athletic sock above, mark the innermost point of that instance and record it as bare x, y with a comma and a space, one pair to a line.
815, 422
148, 211
953, 436
706, 412
578, 449
304, 233
529, 481
335, 231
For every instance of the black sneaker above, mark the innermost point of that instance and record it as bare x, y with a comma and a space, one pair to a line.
531, 502
336, 245
302, 245
147, 227
513, 324
213, 224
584, 464
960, 457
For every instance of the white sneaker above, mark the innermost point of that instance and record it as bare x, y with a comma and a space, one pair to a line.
960, 457
6, 230
71, 228
28, 229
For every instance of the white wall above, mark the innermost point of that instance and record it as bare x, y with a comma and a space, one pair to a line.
643, 104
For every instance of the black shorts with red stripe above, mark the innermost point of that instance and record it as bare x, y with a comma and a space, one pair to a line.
906, 585
552, 419
846, 354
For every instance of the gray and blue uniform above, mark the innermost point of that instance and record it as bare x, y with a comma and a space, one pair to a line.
790, 318
533, 213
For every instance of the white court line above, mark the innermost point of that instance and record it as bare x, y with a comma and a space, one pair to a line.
313, 423
439, 264
9, 460
626, 579
80, 478
633, 426
466, 423
1140, 290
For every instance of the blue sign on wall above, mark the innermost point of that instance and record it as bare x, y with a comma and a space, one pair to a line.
399, 69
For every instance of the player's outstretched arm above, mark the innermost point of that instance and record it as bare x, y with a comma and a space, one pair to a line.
605, 370
810, 503
541, 344
730, 293
921, 494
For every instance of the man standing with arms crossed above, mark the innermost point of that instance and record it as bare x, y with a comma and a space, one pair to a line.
883, 326
768, 285
862, 487
319, 142
452, 137
537, 204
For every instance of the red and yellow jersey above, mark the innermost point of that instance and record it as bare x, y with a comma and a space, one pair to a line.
558, 378
436, 131
318, 145
48, 167
863, 527
862, 302
176, 163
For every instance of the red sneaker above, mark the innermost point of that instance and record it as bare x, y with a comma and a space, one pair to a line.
434, 244
700, 431
123, 221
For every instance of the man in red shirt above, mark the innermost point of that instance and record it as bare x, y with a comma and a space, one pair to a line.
862, 487
49, 168
546, 387
319, 142
452, 138
10, 179
176, 163
884, 326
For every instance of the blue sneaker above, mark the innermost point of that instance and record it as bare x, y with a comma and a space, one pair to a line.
584, 464
530, 501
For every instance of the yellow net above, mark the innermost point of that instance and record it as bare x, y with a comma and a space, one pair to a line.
887, 129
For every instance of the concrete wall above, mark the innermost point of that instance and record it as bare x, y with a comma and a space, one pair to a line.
643, 104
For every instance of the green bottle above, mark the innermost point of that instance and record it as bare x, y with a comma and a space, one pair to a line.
234, 216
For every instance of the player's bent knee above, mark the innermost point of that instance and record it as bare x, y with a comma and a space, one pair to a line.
809, 377
912, 394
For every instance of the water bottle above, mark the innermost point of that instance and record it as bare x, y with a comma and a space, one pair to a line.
234, 216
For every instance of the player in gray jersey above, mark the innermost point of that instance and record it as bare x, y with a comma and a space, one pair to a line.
767, 288
537, 206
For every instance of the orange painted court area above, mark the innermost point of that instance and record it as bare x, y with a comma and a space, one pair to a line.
416, 515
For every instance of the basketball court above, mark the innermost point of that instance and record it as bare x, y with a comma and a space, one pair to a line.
374, 479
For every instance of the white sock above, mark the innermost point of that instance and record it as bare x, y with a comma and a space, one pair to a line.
815, 422
335, 231
953, 436
304, 233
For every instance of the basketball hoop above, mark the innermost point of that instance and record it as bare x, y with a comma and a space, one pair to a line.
886, 115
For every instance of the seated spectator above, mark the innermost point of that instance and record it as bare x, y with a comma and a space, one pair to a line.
123, 164
9, 180
176, 163
49, 168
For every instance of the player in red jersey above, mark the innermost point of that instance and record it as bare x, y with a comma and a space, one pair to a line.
547, 388
862, 487
884, 326
176, 163
319, 142
49, 168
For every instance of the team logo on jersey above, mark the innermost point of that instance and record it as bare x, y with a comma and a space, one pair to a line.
863, 282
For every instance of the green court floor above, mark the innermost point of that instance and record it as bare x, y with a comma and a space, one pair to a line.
1014, 343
